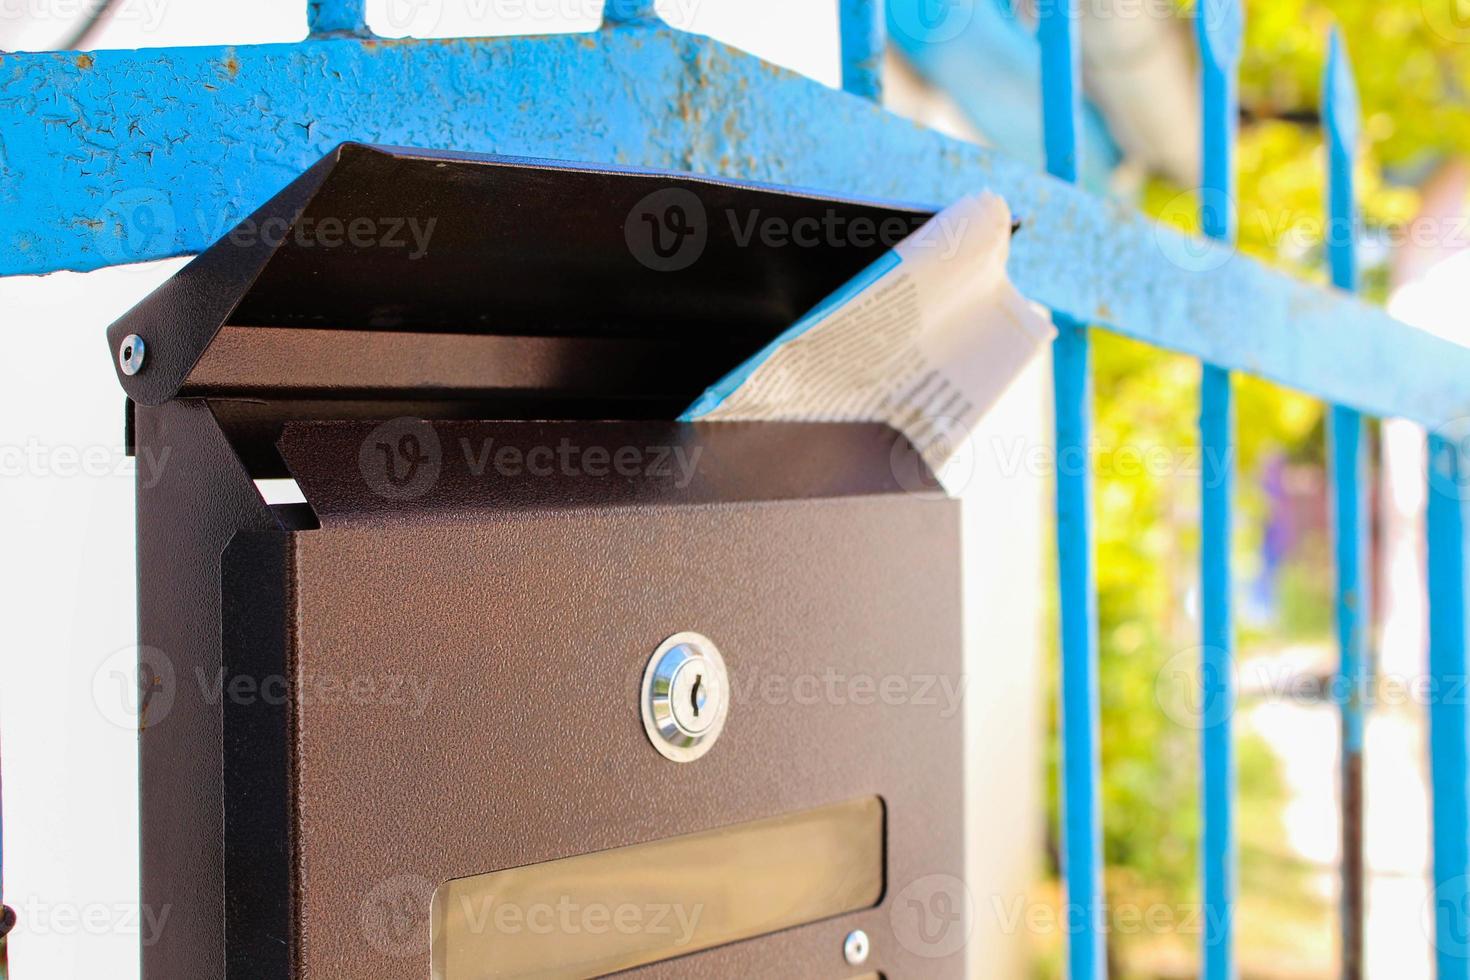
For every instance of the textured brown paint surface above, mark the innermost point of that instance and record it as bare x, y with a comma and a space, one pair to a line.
533, 628
193, 496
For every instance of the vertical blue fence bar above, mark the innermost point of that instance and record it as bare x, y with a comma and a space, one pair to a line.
1218, 27
1081, 820
863, 31
1347, 452
628, 11
1449, 716
328, 17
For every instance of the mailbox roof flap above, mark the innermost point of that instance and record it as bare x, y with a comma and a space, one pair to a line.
403, 242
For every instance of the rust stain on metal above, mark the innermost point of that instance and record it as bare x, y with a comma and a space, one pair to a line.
85, 61
378, 43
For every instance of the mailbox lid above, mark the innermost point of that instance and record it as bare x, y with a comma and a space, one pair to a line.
402, 241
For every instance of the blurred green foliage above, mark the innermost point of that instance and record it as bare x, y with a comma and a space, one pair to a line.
1411, 61
1412, 64
1147, 571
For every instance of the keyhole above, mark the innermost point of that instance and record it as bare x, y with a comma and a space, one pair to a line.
695, 701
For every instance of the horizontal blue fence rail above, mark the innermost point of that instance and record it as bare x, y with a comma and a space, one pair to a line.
87, 142
118, 156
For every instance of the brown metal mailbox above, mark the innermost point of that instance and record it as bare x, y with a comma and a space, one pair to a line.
404, 729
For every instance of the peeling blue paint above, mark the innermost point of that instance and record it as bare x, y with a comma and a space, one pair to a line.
628, 11
326, 18
202, 136
863, 35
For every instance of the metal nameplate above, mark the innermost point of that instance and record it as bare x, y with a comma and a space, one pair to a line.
612, 910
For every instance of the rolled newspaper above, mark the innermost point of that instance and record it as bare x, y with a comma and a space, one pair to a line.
926, 339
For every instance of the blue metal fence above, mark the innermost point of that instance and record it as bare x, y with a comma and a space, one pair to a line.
1348, 452
1081, 806
122, 156
1218, 24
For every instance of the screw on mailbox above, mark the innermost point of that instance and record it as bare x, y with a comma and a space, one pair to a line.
130, 354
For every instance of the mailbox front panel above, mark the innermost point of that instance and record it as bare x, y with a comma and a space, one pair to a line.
465, 700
